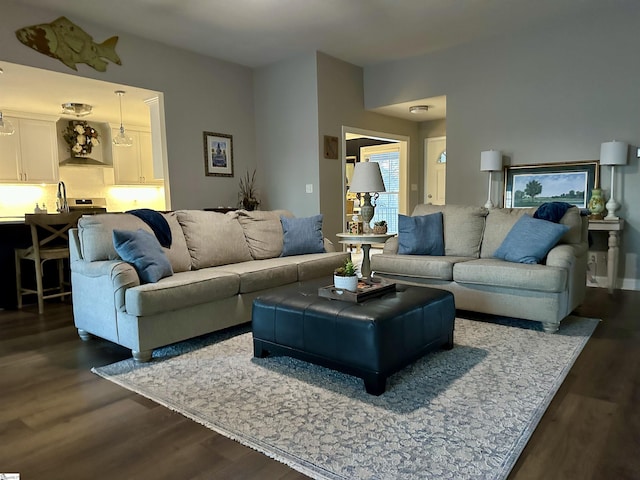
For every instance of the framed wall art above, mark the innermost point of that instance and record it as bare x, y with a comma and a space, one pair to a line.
218, 154
531, 185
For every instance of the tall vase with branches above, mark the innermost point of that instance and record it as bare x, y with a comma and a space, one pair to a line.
248, 192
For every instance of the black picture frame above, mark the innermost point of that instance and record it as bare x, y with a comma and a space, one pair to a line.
218, 154
570, 182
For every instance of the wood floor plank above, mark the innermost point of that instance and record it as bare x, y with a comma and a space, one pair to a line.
65, 422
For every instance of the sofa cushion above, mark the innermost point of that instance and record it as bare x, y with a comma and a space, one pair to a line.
314, 265
257, 275
499, 273
263, 231
182, 290
96, 243
143, 250
463, 227
497, 225
420, 235
436, 268
213, 238
302, 235
529, 240
573, 220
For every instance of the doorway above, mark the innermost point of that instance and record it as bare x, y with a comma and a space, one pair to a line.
391, 152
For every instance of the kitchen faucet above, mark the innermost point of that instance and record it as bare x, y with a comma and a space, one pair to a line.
62, 205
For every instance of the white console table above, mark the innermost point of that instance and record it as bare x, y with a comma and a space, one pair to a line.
614, 228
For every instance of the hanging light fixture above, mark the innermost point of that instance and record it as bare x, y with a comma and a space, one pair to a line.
6, 127
121, 139
77, 109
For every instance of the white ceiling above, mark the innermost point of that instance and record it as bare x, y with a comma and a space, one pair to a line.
362, 32
258, 32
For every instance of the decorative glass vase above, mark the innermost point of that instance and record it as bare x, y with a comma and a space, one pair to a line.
596, 204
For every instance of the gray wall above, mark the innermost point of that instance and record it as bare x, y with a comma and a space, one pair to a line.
286, 116
341, 103
544, 96
200, 94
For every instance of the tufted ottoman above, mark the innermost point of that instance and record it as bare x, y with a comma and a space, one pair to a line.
370, 340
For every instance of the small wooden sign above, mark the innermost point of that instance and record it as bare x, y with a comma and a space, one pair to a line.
330, 147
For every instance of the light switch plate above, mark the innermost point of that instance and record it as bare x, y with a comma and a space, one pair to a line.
309, 187
638, 153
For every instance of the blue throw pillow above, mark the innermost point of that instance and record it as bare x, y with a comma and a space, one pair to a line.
529, 240
302, 235
421, 235
142, 249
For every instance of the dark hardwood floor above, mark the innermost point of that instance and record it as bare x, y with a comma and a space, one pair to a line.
60, 421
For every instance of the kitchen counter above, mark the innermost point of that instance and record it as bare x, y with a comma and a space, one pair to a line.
9, 220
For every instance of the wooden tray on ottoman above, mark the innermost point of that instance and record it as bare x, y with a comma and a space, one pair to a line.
366, 290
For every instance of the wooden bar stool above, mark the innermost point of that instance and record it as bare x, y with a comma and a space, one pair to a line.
49, 241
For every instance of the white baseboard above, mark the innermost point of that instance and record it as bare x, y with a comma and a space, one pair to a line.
601, 282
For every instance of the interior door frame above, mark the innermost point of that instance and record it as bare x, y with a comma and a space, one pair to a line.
405, 145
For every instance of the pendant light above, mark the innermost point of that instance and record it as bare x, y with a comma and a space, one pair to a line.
121, 139
6, 127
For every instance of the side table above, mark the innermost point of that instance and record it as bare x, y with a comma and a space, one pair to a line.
365, 240
614, 227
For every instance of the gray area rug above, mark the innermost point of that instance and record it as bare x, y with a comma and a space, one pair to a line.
458, 414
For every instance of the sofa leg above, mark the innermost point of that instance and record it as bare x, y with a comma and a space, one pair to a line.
141, 356
84, 335
550, 327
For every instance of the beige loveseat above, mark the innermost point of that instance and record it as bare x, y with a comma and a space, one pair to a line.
221, 262
545, 292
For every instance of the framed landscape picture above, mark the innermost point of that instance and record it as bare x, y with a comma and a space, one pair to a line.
218, 154
531, 185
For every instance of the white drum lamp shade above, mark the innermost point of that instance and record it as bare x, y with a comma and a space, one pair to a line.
490, 161
366, 178
612, 154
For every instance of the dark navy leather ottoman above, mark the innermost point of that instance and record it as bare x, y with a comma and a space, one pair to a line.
370, 340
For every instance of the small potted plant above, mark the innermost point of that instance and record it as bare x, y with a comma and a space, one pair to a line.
380, 227
345, 277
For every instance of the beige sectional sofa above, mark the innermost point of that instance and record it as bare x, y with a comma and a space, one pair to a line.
545, 292
220, 263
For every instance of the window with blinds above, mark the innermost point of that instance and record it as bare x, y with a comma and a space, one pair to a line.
388, 157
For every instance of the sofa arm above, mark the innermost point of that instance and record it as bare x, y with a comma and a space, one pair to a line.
565, 255
391, 246
328, 245
118, 275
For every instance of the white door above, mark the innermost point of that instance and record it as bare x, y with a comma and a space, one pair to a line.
436, 170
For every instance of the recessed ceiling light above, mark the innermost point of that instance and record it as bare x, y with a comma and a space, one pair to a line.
77, 109
418, 108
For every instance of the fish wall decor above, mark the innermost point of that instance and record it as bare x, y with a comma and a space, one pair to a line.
64, 40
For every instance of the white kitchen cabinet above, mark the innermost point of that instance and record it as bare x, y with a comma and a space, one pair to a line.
30, 155
134, 165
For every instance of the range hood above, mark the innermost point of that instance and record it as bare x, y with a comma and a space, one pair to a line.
83, 161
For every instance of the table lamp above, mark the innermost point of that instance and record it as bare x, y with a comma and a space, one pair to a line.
490, 161
613, 153
366, 179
